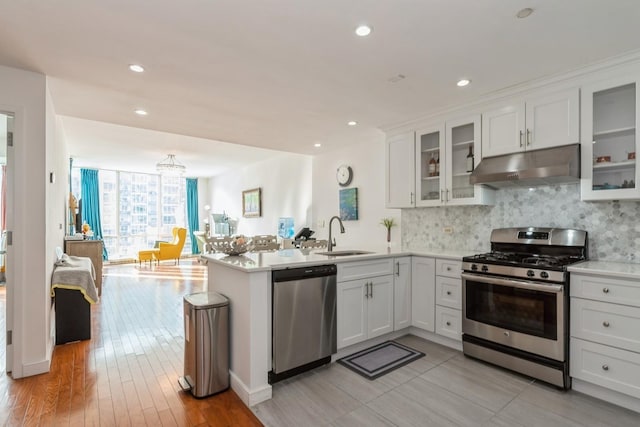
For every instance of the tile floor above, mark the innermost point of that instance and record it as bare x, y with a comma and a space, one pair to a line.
444, 388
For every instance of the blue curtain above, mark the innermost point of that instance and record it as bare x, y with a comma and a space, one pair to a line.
192, 212
91, 203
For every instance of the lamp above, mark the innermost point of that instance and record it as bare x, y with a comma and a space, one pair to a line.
170, 166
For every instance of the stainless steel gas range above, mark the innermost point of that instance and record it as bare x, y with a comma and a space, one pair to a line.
515, 303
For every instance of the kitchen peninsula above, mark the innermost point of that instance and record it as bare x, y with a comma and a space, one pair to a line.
246, 281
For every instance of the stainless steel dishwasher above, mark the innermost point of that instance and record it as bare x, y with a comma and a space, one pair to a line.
304, 319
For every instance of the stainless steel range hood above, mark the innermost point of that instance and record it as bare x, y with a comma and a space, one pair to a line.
558, 165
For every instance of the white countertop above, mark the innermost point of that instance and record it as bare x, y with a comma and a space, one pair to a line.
289, 258
607, 268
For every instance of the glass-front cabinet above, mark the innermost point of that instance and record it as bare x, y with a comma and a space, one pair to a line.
610, 115
463, 136
429, 162
446, 154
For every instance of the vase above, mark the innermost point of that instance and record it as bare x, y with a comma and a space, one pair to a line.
388, 235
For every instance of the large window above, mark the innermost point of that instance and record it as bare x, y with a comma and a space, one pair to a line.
138, 210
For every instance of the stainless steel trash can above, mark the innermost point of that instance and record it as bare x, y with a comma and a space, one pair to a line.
206, 343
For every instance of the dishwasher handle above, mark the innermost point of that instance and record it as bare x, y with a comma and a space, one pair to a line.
290, 274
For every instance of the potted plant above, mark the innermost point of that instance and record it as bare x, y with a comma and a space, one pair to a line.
388, 223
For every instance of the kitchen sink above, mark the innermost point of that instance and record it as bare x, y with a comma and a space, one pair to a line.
344, 253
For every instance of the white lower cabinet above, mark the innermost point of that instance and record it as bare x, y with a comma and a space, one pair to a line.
402, 293
449, 322
389, 294
449, 292
448, 289
423, 293
606, 366
364, 305
605, 343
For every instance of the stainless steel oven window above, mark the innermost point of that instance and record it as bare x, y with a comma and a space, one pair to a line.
527, 311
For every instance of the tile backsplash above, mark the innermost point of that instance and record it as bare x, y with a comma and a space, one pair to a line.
613, 226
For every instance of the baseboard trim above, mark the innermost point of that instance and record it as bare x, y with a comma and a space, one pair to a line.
354, 348
438, 339
249, 397
606, 394
42, 367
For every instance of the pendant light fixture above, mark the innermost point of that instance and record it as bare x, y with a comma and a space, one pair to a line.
170, 166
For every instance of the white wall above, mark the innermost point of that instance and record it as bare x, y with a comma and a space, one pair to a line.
367, 159
57, 202
285, 181
28, 259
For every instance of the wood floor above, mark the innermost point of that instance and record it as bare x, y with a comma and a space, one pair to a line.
126, 375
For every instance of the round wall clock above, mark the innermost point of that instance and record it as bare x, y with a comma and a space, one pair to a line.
344, 175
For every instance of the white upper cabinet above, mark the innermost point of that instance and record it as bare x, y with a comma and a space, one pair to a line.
446, 154
502, 130
429, 161
463, 152
400, 173
542, 121
610, 117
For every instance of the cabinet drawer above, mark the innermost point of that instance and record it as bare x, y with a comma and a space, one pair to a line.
448, 268
363, 269
449, 322
618, 291
605, 323
449, 292
608, 367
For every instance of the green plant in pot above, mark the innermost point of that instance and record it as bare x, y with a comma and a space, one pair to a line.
388, 223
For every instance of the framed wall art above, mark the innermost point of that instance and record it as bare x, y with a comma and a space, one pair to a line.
252, 203
349, 204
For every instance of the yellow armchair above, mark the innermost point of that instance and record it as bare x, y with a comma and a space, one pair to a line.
174, 249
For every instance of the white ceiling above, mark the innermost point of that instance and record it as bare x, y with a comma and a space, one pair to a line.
285, 74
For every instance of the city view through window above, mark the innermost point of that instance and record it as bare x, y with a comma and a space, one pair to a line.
137, 210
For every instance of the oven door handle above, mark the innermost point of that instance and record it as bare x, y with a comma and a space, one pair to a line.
556, 289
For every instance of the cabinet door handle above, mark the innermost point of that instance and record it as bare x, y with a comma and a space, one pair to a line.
448, 323
412, 198
397, 268
442, 195
605, 367
447, 198
371, 284
521, 133
366, 290
605, 324
605, 290
448, 292
528, 137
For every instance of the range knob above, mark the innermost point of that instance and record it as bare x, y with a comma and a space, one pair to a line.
530, 273
485, 268
544, 275
474, 267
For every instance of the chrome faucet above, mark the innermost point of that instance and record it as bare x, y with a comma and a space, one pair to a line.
332, 242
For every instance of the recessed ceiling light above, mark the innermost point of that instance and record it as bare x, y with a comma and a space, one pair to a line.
524, 13
463, 82
136, 68
317, 145
352, 123
141, 112
363, 30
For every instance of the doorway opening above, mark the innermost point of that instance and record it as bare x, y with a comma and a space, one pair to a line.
6, 140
